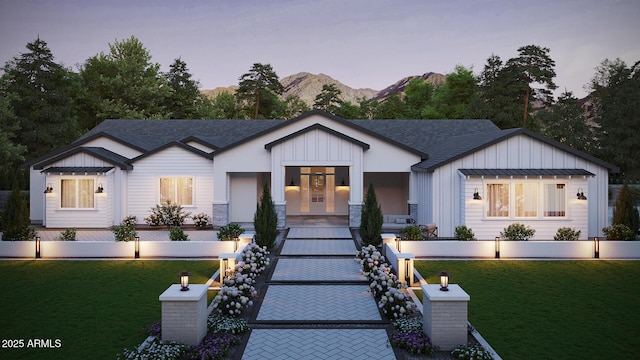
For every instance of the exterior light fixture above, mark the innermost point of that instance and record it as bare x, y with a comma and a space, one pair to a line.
343, 183
476, 195
184, 280
235, 243
398, 242
580, 194
100, 189
37, 247
497, 247
292, 183
596, 247
444, 281
48, 189
137, 247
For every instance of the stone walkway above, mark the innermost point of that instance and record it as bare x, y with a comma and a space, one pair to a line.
316, 303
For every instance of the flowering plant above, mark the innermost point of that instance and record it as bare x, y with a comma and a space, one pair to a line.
370, 258
408, 324
415, 342
241, 281
256, 259
230, 301
155, 350
475, 352
213, 347
395, 304
225, 324
201, 220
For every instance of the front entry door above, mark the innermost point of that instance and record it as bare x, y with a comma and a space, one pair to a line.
318, 194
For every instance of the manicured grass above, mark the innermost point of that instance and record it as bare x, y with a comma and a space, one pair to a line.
550, 309
96, 308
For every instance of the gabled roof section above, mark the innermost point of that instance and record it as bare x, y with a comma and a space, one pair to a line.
456, 147
320, 127
172, 144
97, 152
199, 140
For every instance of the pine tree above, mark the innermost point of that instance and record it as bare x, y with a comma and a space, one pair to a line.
265, 220
625, 211
371, 219
15, 220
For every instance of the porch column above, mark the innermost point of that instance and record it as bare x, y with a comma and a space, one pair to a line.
356, 182
413, 196
277, 193
220, 206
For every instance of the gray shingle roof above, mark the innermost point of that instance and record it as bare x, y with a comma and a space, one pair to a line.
526, 172
77, 170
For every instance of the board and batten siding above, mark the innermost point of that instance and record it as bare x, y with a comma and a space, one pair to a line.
99, 217
143, 182
444, 187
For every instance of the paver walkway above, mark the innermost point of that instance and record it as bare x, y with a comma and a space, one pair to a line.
316, 303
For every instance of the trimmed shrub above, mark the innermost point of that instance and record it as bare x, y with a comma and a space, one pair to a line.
464, 233
177, 234
126, 231
567, 234
69, 234
619, 232
411, 232
265, 220
371, 219
201, 220
168, 214
230, 232
517, 232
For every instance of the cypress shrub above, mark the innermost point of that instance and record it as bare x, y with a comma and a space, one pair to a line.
265, 220
625, 211
371, 219
15, 220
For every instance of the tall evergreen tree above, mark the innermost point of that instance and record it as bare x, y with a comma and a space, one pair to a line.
123, 84
183, 102
265, 220
15, 220
566, 122
616, 91
258, 90
11, 153
625, 211
371, 219
41, 94
328, 99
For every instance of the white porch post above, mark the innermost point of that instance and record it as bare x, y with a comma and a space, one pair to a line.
356, 182
278, 173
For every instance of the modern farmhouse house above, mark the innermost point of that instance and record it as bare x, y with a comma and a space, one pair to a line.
447, 172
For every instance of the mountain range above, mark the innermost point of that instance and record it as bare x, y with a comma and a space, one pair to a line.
306, 86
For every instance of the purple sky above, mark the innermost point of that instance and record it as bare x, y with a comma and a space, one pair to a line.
362, 43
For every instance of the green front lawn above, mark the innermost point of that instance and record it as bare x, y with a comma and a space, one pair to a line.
550, 309
95, 308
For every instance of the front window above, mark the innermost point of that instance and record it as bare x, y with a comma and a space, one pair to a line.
526, 199
555, 200
77, 194
176, 190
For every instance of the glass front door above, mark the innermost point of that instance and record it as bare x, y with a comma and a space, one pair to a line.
317, 190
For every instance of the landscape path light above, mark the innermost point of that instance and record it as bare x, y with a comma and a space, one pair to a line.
37, 247
596, 247
444, 281
184, 280
137, 247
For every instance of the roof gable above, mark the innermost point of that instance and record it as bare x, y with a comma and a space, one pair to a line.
320, 127
100, 153
173, 144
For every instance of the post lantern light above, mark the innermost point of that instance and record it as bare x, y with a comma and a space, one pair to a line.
497, 247
444, 281
596, 247
137, 247
37, 247
184, 280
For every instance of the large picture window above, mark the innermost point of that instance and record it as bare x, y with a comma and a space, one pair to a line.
77, 194
526, 199
178, 190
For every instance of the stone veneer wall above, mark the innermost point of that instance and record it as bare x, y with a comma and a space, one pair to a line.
281, 211
413, 211
355, 213
220, 215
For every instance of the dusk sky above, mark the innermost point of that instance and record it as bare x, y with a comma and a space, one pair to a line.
361, 43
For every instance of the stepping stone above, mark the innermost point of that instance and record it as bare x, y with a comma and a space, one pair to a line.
318, 247
319, 233
317, 270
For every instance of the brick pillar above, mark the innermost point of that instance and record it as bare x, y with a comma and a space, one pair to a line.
445, 315
184, 314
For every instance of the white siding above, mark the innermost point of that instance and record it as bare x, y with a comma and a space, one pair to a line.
143, 182
243, 193
520, 151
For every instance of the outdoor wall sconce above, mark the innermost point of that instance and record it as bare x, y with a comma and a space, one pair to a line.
476, 195
137, 247
48, 189
100, 189
343, 183
184, 280
37, 247
292, 183
596, 247
580, 194
497, 247
444, 281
